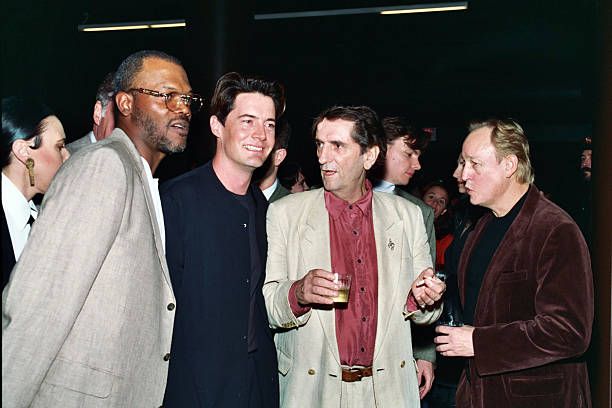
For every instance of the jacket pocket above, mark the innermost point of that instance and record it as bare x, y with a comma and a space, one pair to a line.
284, 362
513, 276
536, 386
80, 378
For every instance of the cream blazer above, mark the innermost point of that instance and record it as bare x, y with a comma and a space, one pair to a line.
86, 316
308, 358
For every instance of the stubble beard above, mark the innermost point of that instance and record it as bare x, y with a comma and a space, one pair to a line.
156, 136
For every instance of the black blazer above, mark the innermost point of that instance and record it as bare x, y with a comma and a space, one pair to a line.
207, 248
8, 256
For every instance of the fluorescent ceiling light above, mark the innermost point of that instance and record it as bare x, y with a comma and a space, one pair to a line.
139, 25
413, 8
420, 9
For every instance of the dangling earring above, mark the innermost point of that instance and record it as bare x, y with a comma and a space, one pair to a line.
30, 166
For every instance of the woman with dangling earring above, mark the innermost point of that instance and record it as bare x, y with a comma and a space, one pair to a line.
33, 149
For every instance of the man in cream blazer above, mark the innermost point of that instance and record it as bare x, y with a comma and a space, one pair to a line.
88, 313
299, 281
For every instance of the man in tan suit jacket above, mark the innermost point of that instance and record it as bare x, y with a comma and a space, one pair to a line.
307, 242
103, 116
88, 313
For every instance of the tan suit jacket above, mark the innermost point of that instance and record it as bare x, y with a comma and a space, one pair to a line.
80, 143
308, 358
86, 316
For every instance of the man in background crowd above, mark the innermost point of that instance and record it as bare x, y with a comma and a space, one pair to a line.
267, 178
583, 211
405, 144
103, 116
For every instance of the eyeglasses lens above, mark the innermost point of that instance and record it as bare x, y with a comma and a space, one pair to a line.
176, 100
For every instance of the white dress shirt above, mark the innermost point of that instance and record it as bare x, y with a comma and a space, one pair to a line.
270, 190
17, 210
154, 187
92, 137
384, 186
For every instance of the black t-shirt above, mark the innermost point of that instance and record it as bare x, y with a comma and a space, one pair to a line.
248, 201
481, 256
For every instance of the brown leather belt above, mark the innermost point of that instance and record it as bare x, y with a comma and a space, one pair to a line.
355, 374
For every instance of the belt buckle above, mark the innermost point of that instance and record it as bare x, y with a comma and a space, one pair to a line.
358, 372
355, 373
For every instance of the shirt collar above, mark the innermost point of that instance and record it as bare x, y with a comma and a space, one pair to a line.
336, 206
16, 208
270, 190
147, 169
384, 186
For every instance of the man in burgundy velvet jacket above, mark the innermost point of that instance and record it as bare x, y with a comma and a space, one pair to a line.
526, 285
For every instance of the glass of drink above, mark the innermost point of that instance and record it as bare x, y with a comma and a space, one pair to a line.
344, 287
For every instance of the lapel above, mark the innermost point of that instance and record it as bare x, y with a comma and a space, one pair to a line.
279, 192
388, 235
504, 254
315, 245
466, 254
138, 166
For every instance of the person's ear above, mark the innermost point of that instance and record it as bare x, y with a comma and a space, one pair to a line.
97, 113
371, 155
125, 103
21, 149
279, 156
510, 164
216, 127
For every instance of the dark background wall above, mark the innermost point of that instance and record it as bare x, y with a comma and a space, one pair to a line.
532, 60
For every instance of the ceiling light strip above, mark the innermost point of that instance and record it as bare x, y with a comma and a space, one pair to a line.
138, 25
413, 8
423, 10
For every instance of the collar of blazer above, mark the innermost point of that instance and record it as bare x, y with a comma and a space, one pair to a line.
513, 237
119, 137
388, 227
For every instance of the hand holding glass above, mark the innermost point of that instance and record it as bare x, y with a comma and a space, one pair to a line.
344, 287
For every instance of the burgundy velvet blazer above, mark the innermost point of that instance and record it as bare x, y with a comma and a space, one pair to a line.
534, 314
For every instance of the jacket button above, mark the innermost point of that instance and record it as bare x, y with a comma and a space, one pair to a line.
311, 371
171, 306
166, 356
403, 364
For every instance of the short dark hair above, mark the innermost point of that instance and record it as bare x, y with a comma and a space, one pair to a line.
22, 119
399, 127
282, 134
132, 65
288, 174
367, 129
232, 84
